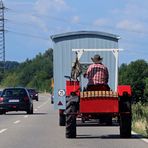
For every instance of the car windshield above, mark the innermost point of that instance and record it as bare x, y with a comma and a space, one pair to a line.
14, 93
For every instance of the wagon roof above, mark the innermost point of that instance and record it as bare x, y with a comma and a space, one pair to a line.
67, 34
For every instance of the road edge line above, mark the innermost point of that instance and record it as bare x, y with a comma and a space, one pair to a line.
143, 139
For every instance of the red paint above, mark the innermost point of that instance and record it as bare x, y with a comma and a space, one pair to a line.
99, 105
124, 88
72, 86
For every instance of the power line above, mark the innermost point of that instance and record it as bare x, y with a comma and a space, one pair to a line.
81, 23
28, 35
64, 21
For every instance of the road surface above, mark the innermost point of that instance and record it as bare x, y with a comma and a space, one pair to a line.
41, 130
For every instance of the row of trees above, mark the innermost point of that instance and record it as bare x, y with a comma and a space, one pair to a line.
35, 73
136, 74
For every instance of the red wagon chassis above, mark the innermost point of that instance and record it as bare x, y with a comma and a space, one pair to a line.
99, 102
102, 104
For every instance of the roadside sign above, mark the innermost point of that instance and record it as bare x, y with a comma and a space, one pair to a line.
60, 103
61, 92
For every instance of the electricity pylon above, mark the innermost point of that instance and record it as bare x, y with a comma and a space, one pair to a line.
2, 37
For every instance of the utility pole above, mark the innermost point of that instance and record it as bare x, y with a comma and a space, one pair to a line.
2, 37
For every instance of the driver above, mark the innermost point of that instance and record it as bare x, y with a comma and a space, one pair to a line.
97, 73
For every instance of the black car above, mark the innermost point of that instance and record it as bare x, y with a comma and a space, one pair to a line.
33, 93
1, 92
16, 99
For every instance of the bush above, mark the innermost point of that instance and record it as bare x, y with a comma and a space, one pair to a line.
140, 118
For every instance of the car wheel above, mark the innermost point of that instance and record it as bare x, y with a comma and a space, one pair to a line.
30, 110
2, 112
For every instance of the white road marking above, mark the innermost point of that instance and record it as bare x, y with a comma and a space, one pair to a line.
16, 122
26, 116
43, 104
143, 139
3, 130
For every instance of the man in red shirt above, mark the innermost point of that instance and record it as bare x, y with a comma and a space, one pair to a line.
97, 73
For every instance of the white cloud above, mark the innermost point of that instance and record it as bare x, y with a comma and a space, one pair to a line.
39, 22
34, 12
76, 19
100, 22
50, 6
136, 9
10, 2
130, 25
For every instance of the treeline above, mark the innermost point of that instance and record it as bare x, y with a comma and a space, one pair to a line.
35, 73
136, 75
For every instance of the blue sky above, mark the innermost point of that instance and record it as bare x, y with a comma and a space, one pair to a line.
30, 23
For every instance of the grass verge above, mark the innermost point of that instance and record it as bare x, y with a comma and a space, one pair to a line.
140, 119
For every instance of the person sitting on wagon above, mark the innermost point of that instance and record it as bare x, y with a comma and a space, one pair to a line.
97, 75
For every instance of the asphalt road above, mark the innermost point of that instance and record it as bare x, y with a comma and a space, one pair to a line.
41, 130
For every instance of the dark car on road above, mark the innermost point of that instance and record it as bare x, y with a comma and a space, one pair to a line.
16, 99
1, 92
33, 93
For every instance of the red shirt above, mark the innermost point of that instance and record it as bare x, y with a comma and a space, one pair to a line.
97, 74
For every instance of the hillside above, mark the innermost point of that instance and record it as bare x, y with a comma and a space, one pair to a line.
36, 73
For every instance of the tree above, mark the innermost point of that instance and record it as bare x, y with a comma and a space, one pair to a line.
135, 74
146, 90
34, 73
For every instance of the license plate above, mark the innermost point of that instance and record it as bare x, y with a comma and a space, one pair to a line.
13, 100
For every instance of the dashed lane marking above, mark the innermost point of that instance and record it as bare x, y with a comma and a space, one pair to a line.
16, 122
26, 116
3, 130
43, 104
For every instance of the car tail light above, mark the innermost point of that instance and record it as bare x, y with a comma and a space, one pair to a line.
1, 99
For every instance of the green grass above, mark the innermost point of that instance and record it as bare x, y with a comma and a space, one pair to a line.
140, 118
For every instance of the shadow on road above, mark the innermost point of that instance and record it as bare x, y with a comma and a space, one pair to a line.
94, 123
12, 114
108, 137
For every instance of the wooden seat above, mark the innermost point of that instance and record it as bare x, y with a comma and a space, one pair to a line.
95, 94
